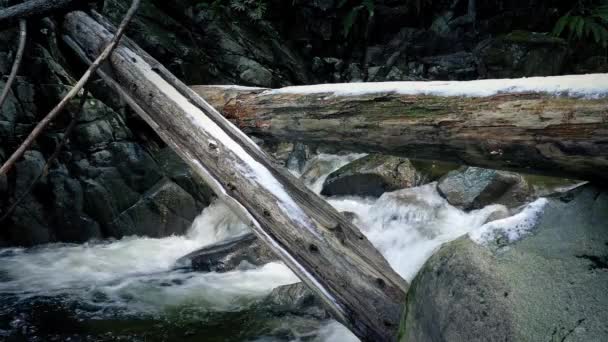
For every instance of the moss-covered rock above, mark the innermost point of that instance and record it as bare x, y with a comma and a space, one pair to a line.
550, 286
474, 188
371, 175
521, 54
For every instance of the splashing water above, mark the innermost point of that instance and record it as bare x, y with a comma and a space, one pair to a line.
135, 276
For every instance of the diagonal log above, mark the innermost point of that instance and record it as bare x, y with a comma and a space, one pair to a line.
327, 252
560, 133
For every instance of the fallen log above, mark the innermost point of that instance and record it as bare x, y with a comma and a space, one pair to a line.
326, 251
36, 9
555, 125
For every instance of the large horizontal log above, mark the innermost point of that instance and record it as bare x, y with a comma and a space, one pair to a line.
554, 125
37, 9
327, 252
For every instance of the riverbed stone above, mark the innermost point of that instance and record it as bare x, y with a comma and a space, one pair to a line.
242, 251
295, 299
473, 188
371, 175
550, 286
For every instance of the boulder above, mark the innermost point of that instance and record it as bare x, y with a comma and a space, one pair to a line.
371, 176
243, 251
521, 54
550, 286
295, 299
166, 209
473, 188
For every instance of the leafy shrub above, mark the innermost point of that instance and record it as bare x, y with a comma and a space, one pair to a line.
587, 19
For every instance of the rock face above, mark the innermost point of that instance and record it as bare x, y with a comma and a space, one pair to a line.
550, 286
521, 54
242, 251
113, 178
473, 188
372, 175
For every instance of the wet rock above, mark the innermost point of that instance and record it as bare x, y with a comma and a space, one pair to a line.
174, 168
371, 176
473, 188
240, 252
72, 224
295, 299
350, 216
432, 170
547, 286
457, 66
254, 73
298, 157
521, 54
166, 209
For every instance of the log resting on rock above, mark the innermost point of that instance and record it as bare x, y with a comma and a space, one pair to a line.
553, 125
329, 254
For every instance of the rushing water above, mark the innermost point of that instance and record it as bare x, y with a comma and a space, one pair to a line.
129, 289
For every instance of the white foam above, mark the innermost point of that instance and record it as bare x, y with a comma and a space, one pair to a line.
511, 228
587, 86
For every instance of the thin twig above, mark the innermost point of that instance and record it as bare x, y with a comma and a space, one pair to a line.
83, 80
16, 62
51, 159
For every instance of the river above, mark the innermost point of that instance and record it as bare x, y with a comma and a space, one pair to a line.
129, 289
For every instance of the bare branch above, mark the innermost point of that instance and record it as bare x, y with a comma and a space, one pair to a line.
16, 62
83, 80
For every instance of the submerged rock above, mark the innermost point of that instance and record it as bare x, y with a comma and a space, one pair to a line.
371, 175
242, 251
550, 286
473, 188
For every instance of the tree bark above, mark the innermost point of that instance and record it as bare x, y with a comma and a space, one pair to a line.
37, 9
525, 132
327, 252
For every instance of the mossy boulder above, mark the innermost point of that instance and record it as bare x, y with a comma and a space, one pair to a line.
473, 188
371, 175
550, 286
521, 54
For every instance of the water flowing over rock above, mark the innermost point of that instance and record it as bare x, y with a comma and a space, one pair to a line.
240, 252
473, 188
371, 176
551, 284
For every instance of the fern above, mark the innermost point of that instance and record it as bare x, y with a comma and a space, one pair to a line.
583, 22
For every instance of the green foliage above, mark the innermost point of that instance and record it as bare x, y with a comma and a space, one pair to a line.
367, 7
586, 20
253, 9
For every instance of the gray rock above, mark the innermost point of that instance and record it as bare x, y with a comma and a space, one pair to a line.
295, 299
550, 286
70, 222
473, 188
166, 209
371, 176
457, 66
174, 168
239, 252
521, 54
298, 157
254, 73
